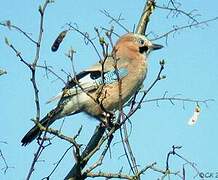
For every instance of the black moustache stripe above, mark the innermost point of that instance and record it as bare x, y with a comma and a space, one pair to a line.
143, 49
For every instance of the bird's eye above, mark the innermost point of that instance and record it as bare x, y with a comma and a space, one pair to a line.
141, 42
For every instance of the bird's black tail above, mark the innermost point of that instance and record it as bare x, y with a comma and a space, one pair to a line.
35, 131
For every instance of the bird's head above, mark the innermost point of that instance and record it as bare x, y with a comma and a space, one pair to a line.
134, 45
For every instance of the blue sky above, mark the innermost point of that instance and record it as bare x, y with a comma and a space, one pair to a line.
191, 71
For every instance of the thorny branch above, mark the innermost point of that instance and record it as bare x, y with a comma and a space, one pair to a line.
174, 98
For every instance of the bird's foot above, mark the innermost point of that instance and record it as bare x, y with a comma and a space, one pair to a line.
107, 120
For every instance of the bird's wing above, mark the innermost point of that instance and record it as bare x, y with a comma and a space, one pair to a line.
91, 79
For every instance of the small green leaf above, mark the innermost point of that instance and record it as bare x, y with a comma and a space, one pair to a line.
7, 41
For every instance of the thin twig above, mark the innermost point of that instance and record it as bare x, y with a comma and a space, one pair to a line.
158, 78
117, 21
171, 99
53, 72
125, 151
9, 25
126, 140
33, 80
86, 37
57, 133
58, 163
173, 152
178, 11
100, 160
109, 175
5, 163
175, 29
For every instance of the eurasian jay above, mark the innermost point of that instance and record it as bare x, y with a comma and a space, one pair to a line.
103, 87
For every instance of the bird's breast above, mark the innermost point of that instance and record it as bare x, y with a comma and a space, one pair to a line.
110, 96
122, 91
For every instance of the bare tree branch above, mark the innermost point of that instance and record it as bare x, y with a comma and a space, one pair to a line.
6, 166
179, 28
10, 26
117, 21
57, 164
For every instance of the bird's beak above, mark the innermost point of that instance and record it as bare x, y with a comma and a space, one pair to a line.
156, 46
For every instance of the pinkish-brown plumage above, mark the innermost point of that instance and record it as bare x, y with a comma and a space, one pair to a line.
129, 53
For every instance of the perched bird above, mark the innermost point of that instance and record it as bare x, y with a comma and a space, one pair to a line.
103, 87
